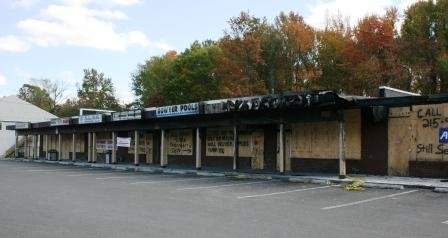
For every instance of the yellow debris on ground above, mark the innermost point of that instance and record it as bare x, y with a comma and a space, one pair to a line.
357, 184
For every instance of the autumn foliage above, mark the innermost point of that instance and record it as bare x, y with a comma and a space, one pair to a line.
258, 57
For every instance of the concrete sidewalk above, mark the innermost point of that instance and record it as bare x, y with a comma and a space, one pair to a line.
370, 181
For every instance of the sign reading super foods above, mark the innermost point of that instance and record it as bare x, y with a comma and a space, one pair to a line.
178, 110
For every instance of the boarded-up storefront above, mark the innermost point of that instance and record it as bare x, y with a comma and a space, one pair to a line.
145, 147
414, 146
314, 146
180, 147
66, 145
219, 148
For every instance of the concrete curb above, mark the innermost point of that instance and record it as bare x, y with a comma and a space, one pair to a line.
384, 186
440, 190
239, 175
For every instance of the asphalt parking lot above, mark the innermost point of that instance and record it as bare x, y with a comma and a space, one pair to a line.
44, 200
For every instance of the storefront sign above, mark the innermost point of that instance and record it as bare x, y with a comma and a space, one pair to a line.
23, 125
90, 119
178, 110
60, 121
124, 142
215, 106
128, 115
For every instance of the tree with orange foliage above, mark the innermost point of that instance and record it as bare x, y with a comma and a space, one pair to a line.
238, 70
299, 52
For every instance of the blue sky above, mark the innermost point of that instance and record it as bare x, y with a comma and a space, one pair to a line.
57, 39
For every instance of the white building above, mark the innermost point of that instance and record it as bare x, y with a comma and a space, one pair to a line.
12, 110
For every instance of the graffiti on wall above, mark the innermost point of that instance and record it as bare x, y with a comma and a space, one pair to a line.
219, 142
180, 142
430, 122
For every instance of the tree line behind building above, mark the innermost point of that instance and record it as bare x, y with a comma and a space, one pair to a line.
256, 56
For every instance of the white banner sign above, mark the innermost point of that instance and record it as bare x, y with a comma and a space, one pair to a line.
124, 142
88, 119
178, 110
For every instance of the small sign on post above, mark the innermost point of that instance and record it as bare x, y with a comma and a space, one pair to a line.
443, 135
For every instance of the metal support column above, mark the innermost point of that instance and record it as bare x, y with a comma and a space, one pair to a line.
136, 154
198, 149
342, 146
114, 147
235, 147
281, 149
73, 147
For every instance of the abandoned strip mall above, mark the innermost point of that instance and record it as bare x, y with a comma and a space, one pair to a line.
298, 133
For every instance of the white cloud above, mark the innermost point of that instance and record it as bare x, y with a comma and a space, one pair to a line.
68, 77
74, 23
23, 73
355, 9
25, 3
2, 80
13, 44
404, 4
108, 3
125, 96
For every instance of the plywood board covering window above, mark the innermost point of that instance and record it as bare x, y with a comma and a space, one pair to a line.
180, 142
219, 142
426, 121
320, 140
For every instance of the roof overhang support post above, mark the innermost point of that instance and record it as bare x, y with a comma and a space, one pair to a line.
47, 147
281, 149
136, 152
89, 147
163, 149
16, 146
114, 147
198, 149
26, 150
38, 146
73, 147
342, 145
59, 146
235, 147
94, 152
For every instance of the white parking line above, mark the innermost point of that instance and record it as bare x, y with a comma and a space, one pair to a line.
223, 185
368, 200
42, 170
115, 177
166, 181
445, 222
283, 192
87, 174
